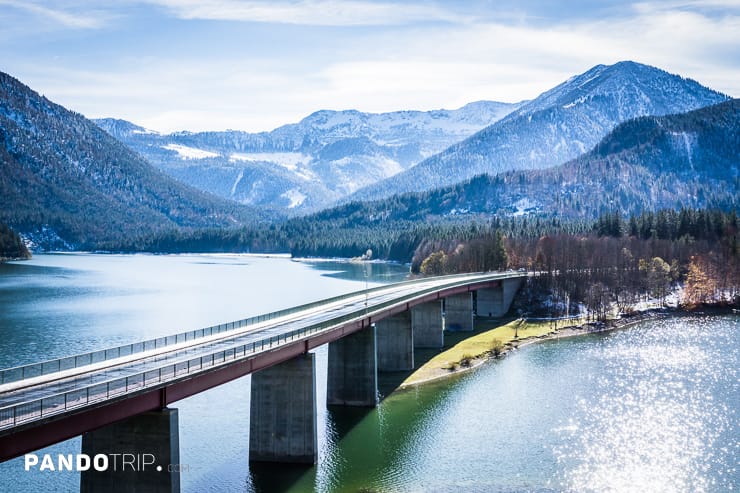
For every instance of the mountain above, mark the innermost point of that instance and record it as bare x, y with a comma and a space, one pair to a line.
310, 164
67, 183
687, 160
557, 126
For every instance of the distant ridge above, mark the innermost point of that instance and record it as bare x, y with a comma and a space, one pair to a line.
557, 126
306, 165
687, 160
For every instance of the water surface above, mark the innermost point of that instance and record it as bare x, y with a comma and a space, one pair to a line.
649, 408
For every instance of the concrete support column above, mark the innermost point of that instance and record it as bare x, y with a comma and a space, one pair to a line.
395, 343
143, 455
352, 378
459, 312
282, 423
426, 321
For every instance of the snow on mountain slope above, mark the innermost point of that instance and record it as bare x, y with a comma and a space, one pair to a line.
686, 160
185, 152
309, 164
557, 126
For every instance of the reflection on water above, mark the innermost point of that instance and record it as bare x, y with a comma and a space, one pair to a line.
358, 271
652, 408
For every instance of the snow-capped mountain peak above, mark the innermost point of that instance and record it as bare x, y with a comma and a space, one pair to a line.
309, 164
557, 126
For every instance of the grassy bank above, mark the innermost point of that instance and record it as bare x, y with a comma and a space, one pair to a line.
467, 349
490, 337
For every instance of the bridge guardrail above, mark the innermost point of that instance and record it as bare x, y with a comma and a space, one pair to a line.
16, 414
33, 370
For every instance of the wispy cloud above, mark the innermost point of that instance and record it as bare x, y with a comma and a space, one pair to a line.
706, 5
71, 19
282, 73
310, 12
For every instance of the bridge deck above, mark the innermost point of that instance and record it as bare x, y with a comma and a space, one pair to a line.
35, 400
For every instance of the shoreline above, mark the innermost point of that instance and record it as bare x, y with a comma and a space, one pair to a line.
564, 333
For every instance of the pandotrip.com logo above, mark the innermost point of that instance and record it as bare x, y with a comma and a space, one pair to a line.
98, 462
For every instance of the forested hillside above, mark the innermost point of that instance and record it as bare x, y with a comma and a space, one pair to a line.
64, 180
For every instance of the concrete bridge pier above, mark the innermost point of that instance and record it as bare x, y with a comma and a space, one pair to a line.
282, 422
395, 343
143, 455
459, 312
352, 378
428, 325
495, 302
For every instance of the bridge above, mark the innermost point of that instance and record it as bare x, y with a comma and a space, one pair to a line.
118, 398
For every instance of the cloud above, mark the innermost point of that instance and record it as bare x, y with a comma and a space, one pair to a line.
701, 5
309, 12
74, 20
228, 83
703, 47
169, 95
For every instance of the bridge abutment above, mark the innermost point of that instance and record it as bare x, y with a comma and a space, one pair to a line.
352, 378
490, 302
428, 325
395, 343
459, 312
495, 302
143, 454
282, 422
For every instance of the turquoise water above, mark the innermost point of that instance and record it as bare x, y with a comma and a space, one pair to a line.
648, 408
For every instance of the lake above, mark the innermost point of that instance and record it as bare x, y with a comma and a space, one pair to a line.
649, 408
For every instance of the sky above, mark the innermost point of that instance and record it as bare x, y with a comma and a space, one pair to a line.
254, 65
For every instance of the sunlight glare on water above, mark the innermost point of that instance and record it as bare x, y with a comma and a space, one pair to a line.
653, 422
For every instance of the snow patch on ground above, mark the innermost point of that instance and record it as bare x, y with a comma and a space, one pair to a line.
307, 175
295, 197
289, 160
684, 142
185, 152
236, 182
672, 300
342, 162
525, 206
580, 100
390, 167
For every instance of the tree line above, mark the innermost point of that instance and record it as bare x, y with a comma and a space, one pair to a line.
617, 262
11, 245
